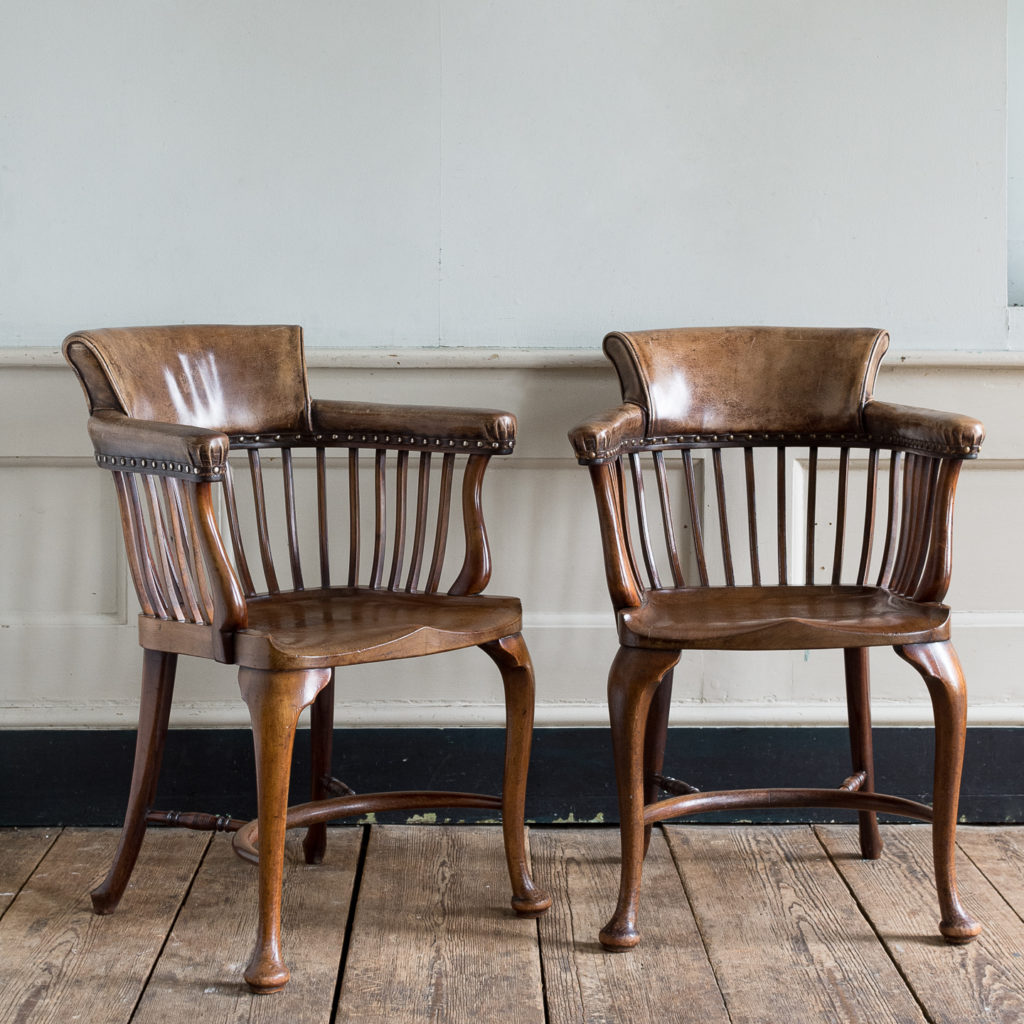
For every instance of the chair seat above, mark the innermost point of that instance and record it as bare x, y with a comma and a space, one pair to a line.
354, 625
780, 618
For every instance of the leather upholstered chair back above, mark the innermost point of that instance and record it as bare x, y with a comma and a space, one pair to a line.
778, 379
230, 378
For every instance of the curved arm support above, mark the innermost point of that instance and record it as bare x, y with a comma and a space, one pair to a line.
418, 426
476, 568
606, 435
922, 430
148, 446
230, 612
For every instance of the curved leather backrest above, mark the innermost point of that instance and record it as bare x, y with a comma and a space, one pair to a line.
725, 379
230, 378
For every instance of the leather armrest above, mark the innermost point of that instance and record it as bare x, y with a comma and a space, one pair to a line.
923, 430
417, 426
603, 436
148, 446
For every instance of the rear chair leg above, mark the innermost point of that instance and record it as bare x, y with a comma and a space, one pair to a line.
858, 704
634, 677
275, 701
940, 669
321, 737
655, 735
513, 660
154, 710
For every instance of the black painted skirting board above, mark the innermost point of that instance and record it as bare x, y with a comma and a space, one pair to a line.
81, 777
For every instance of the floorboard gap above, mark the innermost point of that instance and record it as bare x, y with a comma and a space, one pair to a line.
350, 923
170, 928
871, 924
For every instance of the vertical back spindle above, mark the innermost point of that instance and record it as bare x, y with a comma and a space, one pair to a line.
755, 564
236, 533
321, 516
782, 516
870, 499
723, 517
401, 486
812, 489
420, 529
889, 548
666, 518
353, 517
294, 558
837, 559
444, 505
695, 517
379, 516
641, 516
263, 532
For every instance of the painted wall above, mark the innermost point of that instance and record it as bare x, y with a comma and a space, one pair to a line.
510, 177
528, 173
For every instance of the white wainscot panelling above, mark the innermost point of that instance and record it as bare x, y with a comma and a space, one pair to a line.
60, 544
68, 638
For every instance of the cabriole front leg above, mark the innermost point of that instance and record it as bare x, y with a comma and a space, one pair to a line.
154, 711
275, 700
513, 660
940, 669
635, 675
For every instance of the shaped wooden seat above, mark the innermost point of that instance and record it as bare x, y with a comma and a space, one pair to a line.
360, 498
852, 551
779, 619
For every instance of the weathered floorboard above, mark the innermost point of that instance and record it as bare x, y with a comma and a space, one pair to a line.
782, 931
665, 975
199, 975
434, 937
61, 962
998, 853
982, 981
21, 849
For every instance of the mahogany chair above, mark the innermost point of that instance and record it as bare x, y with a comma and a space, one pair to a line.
194, 424
712, 422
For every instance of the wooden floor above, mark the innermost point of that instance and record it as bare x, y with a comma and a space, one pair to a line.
741, 924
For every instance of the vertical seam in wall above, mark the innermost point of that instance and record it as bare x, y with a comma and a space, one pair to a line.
440, 165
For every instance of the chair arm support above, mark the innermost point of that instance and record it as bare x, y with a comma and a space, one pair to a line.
166, 449
483, 431
604, 436
923, 430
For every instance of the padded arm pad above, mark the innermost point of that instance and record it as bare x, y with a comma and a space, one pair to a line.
148, 446
418, 425
603, 436
923, 430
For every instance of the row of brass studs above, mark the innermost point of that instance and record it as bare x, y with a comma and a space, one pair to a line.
367, 439
127, 462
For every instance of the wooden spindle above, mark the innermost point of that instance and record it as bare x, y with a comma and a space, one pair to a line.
202, 575
401, 486
444, 505
755, 563
476, 566
420, 529
262, 530
236, 533
136, 557
353, 517
892, 517
641, 518
666, 518
622, 494
812, 494
837, 558
723, 517
379, 516
695, 519
288, 474
165, 567
870, 501
782, 515
179, 548
935, 575
321, 516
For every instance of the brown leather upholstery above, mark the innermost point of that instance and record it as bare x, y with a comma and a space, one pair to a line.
199, 375
715, 379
